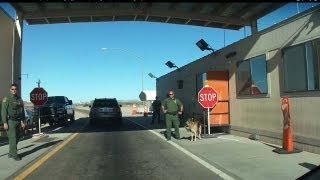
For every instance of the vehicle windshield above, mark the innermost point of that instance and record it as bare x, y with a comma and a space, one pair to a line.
56, 99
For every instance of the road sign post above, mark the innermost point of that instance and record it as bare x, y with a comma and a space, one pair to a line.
208, 98
38, 96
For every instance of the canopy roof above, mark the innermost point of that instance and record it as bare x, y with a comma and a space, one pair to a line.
226, 15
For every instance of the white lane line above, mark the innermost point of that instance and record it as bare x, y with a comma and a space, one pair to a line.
196, 158
56, 129
231, 139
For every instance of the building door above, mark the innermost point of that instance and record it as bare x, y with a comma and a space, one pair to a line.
219, 80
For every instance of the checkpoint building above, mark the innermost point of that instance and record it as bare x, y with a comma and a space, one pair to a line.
253, 75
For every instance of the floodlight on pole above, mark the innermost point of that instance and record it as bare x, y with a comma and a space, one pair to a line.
152, 76
203, 45
171, 64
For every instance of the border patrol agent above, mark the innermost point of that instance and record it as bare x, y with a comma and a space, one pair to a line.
12, 113
172, 107
156, 105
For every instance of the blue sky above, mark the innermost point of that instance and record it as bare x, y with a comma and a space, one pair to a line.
69, 59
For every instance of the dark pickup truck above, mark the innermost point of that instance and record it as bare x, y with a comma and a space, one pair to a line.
57, 110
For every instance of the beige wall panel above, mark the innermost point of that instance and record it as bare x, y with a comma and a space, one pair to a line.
6, 39
305, 116
259, 113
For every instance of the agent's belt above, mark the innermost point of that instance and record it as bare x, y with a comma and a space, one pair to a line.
172, 113
15, 118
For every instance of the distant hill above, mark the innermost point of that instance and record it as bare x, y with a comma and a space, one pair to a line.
122, 102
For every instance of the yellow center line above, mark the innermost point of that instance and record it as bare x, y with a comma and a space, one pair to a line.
34, 166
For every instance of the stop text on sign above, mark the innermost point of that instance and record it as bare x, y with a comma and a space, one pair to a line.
207, 97
38, 96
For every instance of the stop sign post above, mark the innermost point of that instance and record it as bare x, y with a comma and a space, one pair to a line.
208, 98
38, 96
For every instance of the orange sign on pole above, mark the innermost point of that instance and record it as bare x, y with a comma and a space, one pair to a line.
287, 141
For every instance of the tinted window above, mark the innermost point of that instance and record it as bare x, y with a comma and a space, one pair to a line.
105, 103
28, 112
252, 76
301, 67
56, 99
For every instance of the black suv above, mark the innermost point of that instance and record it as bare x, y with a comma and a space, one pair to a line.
57, 110
105, 110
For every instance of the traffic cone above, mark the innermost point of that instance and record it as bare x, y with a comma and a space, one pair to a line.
145, 111
287, 141
287, 137
134, 109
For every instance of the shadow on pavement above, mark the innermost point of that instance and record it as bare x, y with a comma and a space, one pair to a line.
314, 174
270, 145
18, 149
308, 165
4, 140
39, 147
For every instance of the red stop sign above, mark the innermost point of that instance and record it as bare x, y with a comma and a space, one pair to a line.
207, 97
38, 96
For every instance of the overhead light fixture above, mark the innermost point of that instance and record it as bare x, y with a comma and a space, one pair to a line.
203, 45
152, 76
171, 65
231, 54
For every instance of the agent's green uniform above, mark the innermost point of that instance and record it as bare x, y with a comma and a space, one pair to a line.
12, 113
172, 106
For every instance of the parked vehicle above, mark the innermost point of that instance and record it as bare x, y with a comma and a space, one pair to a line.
57, 110
105, 110
31, 121
28, 116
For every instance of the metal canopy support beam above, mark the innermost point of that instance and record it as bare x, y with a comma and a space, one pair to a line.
123, 11
246, 9
254, 27
217, 15
223, 7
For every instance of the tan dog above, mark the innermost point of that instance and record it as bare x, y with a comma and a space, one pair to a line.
194, 126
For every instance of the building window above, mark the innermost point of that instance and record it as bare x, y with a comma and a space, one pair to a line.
301, 67
200, 78
252, 76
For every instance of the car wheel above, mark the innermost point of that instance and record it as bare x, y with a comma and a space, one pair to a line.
64, 122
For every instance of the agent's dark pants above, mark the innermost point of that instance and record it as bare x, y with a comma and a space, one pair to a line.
156, 114
13, 134
172, 119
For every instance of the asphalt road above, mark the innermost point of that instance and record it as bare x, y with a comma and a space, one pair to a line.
128, 152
